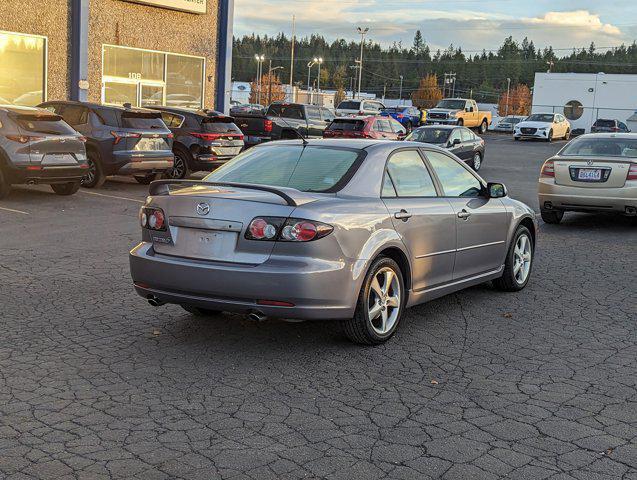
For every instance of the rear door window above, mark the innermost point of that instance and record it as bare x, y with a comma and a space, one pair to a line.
347, 125
75, 115
313, 113
309, 169
466, 135
409, 175
384, 126
172, 120
326, 114
219, 125
108, 116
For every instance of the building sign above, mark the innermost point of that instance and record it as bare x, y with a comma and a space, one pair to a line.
193, 6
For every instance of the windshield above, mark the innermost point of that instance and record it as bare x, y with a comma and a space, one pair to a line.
309, 169
451, 104
510, 120
429, 135
601, 147
347, 125
540, 117
349, 105
605, 123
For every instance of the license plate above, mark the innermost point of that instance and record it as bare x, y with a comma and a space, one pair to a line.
226, 150
58, 159
200, 244
146, 144
589, 174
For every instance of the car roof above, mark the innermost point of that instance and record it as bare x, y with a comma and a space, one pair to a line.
439, 127
632, 136
355, 143
189, 111
97, 105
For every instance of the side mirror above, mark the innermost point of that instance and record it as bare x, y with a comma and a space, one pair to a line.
496, 190
456, 141
328, 120
401, 135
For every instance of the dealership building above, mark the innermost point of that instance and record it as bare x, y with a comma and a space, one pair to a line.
142, 52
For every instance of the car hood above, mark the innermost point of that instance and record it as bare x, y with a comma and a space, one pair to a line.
534, 124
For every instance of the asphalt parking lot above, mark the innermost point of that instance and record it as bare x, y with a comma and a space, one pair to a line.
95, 383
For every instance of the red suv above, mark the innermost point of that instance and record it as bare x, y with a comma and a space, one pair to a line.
365, 127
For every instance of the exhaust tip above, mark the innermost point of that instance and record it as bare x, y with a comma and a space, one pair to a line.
632, 211
257, 316
154, 301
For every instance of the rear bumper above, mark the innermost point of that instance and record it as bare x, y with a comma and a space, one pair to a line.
46, 175
210, 162
130, 163
319, 289
569, 198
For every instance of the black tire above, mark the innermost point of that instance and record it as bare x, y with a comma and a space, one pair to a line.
5, 186
567, 135
409, 127
200, 312
552, 216
65, 188
360, 328
517, 139
181, 167
483, 127
508, 282
95, 177
550, 137
476, 163
460, 122
146, 179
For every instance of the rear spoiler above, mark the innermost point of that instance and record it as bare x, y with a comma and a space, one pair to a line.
162, 187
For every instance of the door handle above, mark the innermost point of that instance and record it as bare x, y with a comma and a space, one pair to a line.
464, 214
403, 215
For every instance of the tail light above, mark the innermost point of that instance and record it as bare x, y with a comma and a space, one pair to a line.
286, 230
170, 135
23, 138
400, 115
548, 169
632, 172
119, 135
82, 139
210, 137
152, 218
361, 113
267, 125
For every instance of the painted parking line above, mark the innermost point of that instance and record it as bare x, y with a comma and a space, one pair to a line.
14, 211
113, 196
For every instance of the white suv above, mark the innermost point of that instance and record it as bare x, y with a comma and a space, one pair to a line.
359, 107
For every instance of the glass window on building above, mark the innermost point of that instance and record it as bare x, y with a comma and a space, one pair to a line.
23, 69
149, 78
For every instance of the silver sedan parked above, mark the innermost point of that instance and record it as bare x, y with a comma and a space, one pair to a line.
353, 230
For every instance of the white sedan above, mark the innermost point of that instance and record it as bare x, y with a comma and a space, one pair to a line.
545, 126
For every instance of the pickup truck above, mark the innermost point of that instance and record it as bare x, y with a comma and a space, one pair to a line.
459, 111
283, 121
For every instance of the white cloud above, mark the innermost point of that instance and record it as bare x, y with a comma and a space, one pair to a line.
577, 18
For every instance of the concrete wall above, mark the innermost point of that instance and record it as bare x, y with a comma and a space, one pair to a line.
29, 16
116, 22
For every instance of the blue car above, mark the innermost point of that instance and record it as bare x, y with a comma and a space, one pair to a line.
409, 117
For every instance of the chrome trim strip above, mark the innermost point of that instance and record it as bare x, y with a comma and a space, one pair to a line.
435, 253
479, 246
461, 280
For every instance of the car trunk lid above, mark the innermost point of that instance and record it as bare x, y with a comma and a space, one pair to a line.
591, 172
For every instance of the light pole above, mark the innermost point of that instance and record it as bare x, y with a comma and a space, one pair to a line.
260, 59
508, 91
362, 32
309, 79
319, 60
400, 94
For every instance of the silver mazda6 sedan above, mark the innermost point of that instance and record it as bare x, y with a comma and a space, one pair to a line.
353, 230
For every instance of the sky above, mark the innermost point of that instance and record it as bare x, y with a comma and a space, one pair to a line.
471, 24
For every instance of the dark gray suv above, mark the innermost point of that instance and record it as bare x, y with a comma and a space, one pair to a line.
119, 140
37, 146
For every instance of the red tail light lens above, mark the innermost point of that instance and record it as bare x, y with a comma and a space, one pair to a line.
267, 125
119, 135
152, 218
210, 137
286, 230
170, 135
400, 115
82, 139
548, 169
632, 172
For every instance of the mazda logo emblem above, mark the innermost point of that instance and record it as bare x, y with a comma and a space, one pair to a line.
203, 209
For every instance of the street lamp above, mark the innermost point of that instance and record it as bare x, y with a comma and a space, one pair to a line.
400, 94
319, 60
362, 32
508, 90
309, 78
260, 59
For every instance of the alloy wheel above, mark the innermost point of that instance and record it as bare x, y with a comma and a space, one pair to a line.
179, 168
522, 259
384, 301
477, 161
89, 178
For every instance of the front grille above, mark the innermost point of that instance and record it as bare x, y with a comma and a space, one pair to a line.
528, 131
438, 115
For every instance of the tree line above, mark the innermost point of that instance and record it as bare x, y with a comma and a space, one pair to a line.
480, 75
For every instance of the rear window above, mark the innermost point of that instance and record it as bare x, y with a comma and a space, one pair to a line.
392, 110
601, 147
349, 105
429, 135
50, 125
605, 123
143, 121
309, 169
286, 111
219, 125
347, 125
